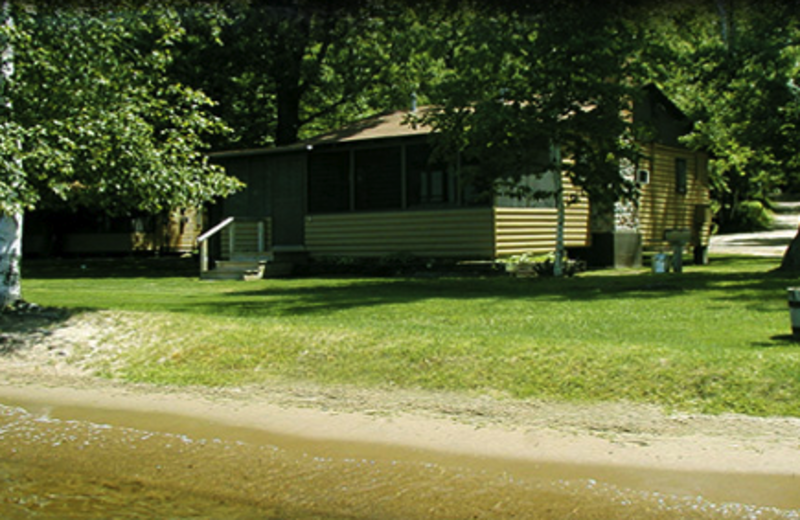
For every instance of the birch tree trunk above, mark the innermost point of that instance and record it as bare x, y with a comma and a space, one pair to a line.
10, 256
10, 224
558, 188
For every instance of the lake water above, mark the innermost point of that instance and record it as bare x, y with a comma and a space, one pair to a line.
73, 463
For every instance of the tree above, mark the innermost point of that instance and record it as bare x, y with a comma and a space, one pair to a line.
730, 66
91, 120
289, 69
549, 75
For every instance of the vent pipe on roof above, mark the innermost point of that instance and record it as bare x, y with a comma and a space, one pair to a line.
413, 102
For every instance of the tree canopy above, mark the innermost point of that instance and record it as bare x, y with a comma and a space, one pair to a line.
286, 70
732, 65
112, 104
91, 118
556, 74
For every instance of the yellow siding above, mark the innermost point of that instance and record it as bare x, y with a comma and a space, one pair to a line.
465, 233
577, 233
182, 229
662, 208
533, 230
527, 230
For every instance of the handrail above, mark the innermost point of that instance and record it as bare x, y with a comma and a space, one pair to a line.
216, 229
235, 229
202, 240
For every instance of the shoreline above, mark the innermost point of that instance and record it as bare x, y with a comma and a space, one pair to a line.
759, 467
643, 437
725, 458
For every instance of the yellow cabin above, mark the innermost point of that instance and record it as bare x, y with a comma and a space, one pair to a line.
371, 190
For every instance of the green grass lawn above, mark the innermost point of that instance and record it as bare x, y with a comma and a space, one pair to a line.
714, 339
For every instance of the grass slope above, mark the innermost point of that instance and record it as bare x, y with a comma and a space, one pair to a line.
715, 339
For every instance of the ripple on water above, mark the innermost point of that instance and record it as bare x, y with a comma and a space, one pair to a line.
58, 468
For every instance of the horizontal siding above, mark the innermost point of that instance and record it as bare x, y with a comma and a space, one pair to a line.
528, 230
662, 207
464, 233
533, 230
182, 230
577, 232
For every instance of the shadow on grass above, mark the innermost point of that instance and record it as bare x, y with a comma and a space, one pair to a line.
745, 279
762, 290
111, 267
781, 340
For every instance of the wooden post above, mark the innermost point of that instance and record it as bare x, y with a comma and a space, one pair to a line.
261, 246
203, 257
231, 240
558, 187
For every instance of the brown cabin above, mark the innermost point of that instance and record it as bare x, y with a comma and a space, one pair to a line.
371, 190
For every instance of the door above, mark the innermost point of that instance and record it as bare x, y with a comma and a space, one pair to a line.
288, 200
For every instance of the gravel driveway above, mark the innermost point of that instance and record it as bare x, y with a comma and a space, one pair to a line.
763, 243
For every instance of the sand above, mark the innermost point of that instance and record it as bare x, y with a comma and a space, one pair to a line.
33, 368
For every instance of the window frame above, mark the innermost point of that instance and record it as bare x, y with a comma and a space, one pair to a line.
681, 175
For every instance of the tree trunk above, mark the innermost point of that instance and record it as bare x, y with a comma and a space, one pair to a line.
558, 185
288, 101
791, 258
10, 256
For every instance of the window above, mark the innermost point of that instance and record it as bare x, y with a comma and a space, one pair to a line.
428, 184
329, 182
379, 178
680, 176
531, 191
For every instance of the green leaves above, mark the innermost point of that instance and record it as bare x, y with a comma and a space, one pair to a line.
98, 122
518, 81
738, 85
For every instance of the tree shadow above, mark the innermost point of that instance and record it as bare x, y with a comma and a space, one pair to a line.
752, 280
780, 340
763, 291
20, 329
111, 267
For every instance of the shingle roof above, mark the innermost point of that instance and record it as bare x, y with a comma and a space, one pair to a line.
382, 126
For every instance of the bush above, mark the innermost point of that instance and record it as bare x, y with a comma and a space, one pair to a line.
749, 215
528, 264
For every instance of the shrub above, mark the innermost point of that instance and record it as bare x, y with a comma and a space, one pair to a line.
528, 264
749, 215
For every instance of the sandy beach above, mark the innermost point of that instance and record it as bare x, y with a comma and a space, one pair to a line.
725, 457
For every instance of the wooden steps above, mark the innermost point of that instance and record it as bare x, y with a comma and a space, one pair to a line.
244, 270
249, 268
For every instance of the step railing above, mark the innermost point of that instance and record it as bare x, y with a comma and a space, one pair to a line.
244, 236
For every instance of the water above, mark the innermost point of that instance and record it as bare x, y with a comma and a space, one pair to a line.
70, 463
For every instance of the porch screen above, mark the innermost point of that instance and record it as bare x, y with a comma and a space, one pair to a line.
428, 183
379, 179
329, 182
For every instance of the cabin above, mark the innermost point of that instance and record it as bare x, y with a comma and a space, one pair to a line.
372, 190
84, 233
